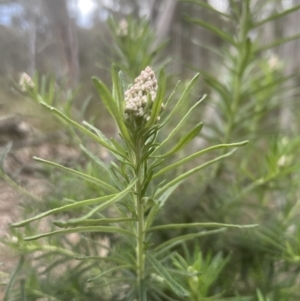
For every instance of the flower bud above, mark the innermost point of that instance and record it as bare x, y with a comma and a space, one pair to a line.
136, 97
25, 81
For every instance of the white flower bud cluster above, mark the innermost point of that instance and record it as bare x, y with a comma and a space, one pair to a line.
122, 30
25, 81
136, 96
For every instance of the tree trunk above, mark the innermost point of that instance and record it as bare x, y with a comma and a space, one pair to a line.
164, 19
290, 53
65, 31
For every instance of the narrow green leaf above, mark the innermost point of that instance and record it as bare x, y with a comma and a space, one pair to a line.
117, 169
98, 132
182, 177
106, 258
106, 97
107, 201
122, 82
258, 7
84, 106
150, 217
268, 240
13, 278
211, 49
182, 99
185, 273
114, 269
175, 286
277, 16
198, 154
172, 94
278, 42
104, 205
208, 7
179, 239
42, 295
147, 181
155, 163
184, 140
93, 222
219, 87
181, 123
117, 88
119, 147
42, 85
112, 108
159, 99
113, 283
80, 230
78, 174
96, 159
167, 193
79, 127
51, 91
179, 260
64, 208
246, 57
116, 177
220, 33
235, 9
197, 225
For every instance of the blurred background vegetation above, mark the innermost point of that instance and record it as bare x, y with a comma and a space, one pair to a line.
247, 52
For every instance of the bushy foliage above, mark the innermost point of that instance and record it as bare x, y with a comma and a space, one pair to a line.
247, 90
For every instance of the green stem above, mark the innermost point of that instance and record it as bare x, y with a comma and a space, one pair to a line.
140, 223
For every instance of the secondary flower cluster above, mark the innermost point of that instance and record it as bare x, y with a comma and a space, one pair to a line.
25, 81
136, 96
122, 30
